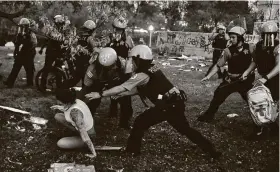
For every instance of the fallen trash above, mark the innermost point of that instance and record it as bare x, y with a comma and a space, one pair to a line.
30, 138
36, 126
20, 129
109, 148
61, 167
18, 163
36, 120
10, 55
78, 88
202, 64
15, 110
115, 170
232, 115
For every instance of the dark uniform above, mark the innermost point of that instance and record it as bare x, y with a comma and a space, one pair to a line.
53, 50
265, 59
238, 63
219, 44
122, 47
81, 61
169, 106
97, 79
24, 57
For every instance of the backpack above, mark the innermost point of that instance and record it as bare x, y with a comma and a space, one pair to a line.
263, 108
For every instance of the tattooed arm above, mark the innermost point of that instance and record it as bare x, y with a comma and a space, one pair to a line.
77, 117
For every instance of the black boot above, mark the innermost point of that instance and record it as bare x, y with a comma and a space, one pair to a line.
206, 117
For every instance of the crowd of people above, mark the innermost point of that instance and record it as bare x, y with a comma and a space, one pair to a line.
118, 69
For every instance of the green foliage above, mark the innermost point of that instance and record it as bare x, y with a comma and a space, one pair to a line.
205, 15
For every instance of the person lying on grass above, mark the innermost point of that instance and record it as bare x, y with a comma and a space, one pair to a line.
77, 117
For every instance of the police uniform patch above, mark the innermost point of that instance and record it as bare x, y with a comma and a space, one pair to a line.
134, 76
89, 74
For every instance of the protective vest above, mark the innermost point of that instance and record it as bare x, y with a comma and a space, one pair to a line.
239, 61
220, 42
121, 48
88, 120
265, 59
157, 85
28, 46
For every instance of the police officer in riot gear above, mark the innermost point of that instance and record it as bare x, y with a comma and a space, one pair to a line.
25, 56
219, 44
85, 57
266, 60
122, 43
103, 73
239, 57
57, 35
169, 102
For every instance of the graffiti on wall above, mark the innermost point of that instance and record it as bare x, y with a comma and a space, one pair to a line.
182, 42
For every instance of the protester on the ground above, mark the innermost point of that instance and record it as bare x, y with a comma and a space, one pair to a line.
238, 56
219, 44
76, 116
149, 81
25, 56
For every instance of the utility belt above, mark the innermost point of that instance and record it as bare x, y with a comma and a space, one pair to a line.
172, 96
231, 77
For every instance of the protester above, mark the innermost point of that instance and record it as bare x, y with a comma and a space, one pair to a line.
169, 102
77, 117
25, 56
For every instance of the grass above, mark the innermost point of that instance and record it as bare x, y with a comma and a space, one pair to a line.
163, 148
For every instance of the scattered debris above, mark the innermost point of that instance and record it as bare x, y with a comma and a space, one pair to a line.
9, 44
30, 138
109, 148
259, 151
18, 163
15, 110
10, 55
23, 78
20, 129
232, 115
77, 88
36, 127
115, 170
239, 162
202, 64
166, 64
90, 155
187, 70
37, 120
59, 167
208, 85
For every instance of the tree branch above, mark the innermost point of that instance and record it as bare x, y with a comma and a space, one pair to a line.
14, 15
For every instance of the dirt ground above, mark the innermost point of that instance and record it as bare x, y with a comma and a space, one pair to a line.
163, 148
